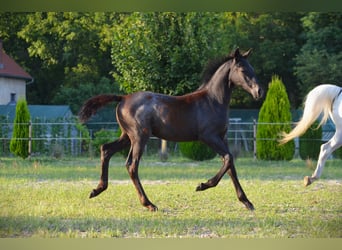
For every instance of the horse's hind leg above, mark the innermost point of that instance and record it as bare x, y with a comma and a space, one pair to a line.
326, 150
132, 168
107, 151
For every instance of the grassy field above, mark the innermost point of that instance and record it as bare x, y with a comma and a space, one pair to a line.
49, 198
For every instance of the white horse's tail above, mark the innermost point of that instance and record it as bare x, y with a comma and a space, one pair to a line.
318, 101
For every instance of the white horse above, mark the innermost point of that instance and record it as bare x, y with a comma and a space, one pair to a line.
326, 99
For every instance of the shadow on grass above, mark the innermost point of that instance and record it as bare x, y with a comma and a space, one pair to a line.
248, 226
128, 228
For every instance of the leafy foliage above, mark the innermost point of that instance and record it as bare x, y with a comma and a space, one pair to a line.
71, 50
338, 153
73, 55
276, 39
321, 55
101, 137
4, 130
196, 150
274, 117
310, 142
84, 134
164, 52
19, 142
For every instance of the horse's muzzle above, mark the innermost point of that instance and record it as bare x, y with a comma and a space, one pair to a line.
257, 93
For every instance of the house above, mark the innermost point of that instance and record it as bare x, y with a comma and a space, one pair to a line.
13, 80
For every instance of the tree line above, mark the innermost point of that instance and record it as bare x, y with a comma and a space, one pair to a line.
74, 55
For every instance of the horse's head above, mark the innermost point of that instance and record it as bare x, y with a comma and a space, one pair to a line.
242, 74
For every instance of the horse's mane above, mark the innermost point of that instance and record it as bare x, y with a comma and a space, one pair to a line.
212, 67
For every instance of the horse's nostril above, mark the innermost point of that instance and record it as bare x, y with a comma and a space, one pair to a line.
260, 92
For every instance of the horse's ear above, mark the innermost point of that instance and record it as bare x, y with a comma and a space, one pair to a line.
237, 53
247, 53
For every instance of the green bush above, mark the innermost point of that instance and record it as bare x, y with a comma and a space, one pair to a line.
19, 142
338, 153
4, 130
310, 142
274, 117
101, 137
86, 139
196, 150
124, 152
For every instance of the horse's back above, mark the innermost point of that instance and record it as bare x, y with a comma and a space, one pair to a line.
160, 115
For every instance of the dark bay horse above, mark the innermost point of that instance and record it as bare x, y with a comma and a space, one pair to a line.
201, 115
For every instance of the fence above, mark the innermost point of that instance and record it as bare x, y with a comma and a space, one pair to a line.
72, 139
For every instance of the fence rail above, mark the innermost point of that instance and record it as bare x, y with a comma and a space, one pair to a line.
66, 138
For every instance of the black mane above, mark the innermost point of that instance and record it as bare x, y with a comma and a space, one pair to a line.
212, 67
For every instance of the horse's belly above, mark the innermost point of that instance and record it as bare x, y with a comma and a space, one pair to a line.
172, 134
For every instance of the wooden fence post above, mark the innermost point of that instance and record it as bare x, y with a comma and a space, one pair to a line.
163, 150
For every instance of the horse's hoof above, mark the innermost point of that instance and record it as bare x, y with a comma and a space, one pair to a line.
307, 181
93, 194
201, 187
152, 208
250, 206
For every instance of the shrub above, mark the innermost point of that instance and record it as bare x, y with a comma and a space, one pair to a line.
4, 130
84, 134
19, 142
196, 150
310, 142
101, 137
274, 117
57, 150
338, 153
124, 152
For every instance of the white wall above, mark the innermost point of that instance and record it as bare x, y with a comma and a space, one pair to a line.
8, 86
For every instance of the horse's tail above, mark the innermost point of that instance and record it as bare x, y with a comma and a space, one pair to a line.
318, 101
90, 107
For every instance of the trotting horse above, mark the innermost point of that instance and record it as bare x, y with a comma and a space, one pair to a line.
200, 115
324, 99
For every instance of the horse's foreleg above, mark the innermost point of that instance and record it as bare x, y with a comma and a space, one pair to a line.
219, 145
239, 191
228, 167
326, 150
107, 151
132, 169
216, 179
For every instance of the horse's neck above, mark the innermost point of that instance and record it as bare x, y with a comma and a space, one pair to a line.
218, 87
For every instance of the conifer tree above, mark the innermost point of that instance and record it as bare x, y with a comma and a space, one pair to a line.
19, 142
274, 118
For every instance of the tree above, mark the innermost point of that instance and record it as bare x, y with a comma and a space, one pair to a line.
320, 57
274, 118
276, 40
165, 52
70, 49
19, 144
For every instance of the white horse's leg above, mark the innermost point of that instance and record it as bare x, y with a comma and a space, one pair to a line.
326, 150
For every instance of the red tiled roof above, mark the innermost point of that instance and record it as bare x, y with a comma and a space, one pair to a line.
9, 68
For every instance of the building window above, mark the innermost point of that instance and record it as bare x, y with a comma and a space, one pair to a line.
13, 97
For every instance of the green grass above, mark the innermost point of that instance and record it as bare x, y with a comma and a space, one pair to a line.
49, 198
